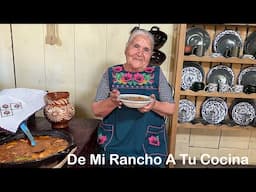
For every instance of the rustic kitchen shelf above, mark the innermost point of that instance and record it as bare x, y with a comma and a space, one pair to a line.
207, 62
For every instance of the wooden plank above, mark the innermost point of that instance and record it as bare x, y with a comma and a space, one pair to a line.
242, 30
91, 53
220, 59
199, 101
207, 62
7, 75
212, 126
206, 68
60, 62
28, 43
177, 79
218, 94
211, 31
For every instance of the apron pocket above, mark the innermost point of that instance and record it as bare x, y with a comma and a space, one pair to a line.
155, 141
105, 134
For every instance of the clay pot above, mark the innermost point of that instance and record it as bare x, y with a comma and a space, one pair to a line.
157, 58
159, 37
58, 111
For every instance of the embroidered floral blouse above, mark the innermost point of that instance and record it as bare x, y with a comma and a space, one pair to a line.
126, 78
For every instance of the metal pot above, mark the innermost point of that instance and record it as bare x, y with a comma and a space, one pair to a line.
45, 161
159, 37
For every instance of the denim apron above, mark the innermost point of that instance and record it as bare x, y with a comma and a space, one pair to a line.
126, 131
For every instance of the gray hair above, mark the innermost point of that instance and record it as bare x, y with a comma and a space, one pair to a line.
143, 32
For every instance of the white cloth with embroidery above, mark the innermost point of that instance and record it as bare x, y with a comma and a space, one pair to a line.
18, 104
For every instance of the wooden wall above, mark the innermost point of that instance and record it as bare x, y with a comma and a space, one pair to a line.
75, 66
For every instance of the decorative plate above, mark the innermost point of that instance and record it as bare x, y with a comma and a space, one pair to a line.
191, 73
194, 64
225, 41
187, 111
221, 74
214, 110
197, 36
242, 111
250, 44
247, 76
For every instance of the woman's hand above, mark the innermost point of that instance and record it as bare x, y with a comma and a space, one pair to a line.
149, 106
104, 107
114, 96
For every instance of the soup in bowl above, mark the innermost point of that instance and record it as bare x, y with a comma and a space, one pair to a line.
135, 100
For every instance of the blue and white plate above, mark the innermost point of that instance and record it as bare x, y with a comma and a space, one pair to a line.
187, 111
214, 110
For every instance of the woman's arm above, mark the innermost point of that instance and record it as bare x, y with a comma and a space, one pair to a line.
104, 107
161, 108
165, 106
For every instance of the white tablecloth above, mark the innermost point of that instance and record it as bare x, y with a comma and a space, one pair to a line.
17, 104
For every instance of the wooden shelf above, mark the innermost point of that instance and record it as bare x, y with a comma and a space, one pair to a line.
214, 127
218, 94
207, 62
219, 59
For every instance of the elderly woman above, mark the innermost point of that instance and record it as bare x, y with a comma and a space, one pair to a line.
134, 136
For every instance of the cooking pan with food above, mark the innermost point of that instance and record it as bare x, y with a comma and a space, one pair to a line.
52, 146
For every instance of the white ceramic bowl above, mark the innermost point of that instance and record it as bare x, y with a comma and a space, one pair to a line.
135, 100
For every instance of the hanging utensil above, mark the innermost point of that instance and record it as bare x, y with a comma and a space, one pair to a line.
50, 36
58, 40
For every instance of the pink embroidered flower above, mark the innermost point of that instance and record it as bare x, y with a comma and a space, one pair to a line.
117, 69
153, 140
139, 78
126, 78
149, 69
102, 139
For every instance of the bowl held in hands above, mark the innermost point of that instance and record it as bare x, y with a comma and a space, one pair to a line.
135, 100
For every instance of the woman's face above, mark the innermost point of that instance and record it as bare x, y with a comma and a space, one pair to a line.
138, 53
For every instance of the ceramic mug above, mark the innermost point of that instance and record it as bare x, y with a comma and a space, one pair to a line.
197, 86
248, 89
211, 87
247, 56
216, 55
224, 87
237, 88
